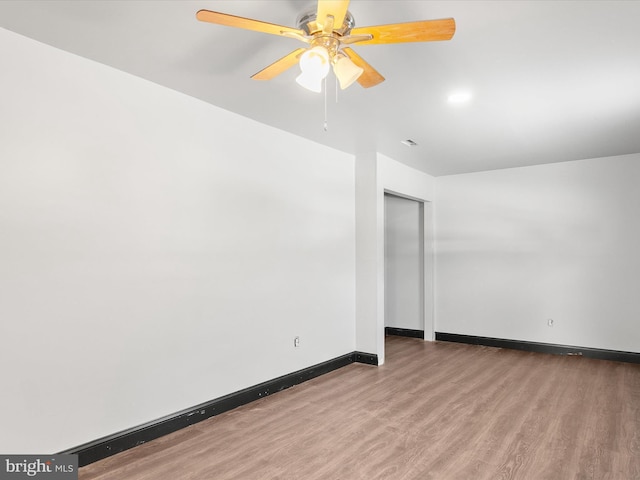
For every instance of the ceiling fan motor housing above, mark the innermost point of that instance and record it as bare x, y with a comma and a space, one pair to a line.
307, 22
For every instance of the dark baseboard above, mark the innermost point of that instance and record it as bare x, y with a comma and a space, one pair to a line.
121, 441
615, 355
404, 332
368, 358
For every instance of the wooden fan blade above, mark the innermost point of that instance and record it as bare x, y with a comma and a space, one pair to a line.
422, 31
246, 23
279, 66
335, 8
370, 77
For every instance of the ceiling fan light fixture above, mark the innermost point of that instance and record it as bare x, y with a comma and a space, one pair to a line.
346, 71
310, 82
315, 61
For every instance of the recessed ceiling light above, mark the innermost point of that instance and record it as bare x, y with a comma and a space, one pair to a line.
459, 97
409, 143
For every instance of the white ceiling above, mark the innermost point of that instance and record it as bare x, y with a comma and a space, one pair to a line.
551, 80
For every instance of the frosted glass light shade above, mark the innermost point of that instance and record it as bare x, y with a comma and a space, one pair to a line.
346, 71
310, 82
315, 61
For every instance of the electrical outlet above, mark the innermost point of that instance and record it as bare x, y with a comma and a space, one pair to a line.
296, 342
550, 322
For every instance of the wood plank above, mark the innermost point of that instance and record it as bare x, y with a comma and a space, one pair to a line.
435, 410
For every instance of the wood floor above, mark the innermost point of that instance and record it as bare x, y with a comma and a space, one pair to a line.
436, 410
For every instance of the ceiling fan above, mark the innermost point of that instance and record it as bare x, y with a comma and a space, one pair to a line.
328, 31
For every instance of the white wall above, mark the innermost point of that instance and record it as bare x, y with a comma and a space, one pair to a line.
375, 174
156, 252
369, 251
520, 246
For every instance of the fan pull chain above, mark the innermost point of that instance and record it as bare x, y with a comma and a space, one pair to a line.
326, 123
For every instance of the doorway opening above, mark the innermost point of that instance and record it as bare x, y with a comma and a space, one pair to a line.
404, 267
